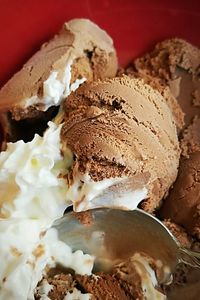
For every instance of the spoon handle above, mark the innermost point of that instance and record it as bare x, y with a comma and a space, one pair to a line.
189, 257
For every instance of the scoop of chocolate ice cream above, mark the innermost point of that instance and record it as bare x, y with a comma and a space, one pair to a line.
177, 64
121, 129
182, 205
80, 51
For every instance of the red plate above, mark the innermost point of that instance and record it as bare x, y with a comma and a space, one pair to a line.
134, 25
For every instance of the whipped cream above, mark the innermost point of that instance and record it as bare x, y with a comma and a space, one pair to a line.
77, 295
86, 194
33, 194
30, 183
57, 86
32, 197
26, 253
44, 289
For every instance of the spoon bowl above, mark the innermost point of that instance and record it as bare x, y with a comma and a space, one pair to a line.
113, 235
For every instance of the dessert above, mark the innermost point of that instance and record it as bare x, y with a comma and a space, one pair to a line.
186, 282
33, 173
113, 143
165, 91
80, 51
63, 167
190, 141
182, 205
176, 64
123, 138
131, 279
179, 232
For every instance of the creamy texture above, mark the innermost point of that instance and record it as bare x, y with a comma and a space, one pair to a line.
77, 295
190, 141
86, 193
120, 170
175, 63
56, 88
134, 278
44, 289
182, 205
121, 128
80, 51
33, 196
81, 43
38, 195
25, 255
29, 171
164, 90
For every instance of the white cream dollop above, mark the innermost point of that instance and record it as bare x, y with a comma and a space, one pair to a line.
44, 289
77, 295
25, 254
30, 186
86, 193
57, 86
32, 197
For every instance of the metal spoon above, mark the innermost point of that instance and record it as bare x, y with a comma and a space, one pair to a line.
112, 235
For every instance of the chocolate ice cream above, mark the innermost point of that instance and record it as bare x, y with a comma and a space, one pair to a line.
123, 137
182, 205
80, 51
55, 286
179, 232
129, 280
190, 141
186, 279
176, 63
164, 90
104, 286
101, 286
113, 144
186, 284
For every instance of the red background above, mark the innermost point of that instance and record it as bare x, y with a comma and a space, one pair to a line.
134, 25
